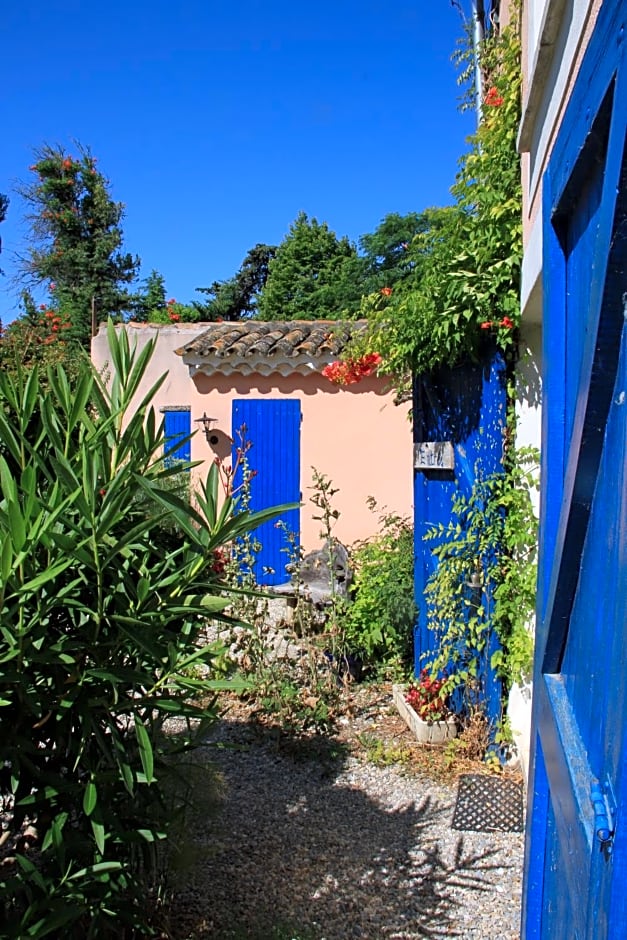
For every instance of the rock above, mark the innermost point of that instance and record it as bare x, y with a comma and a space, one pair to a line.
315, 579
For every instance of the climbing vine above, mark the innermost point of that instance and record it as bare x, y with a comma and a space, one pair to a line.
467, 261
462, 299
485, 580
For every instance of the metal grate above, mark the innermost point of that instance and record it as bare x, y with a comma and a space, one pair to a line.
488, 804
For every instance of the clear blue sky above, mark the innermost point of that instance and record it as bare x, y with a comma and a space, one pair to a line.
218, 120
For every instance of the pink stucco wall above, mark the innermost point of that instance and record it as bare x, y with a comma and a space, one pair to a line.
355, 435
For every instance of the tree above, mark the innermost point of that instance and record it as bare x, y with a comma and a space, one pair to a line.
151, 298
388, 253
314, 275
76, 239
236, 298
38, 338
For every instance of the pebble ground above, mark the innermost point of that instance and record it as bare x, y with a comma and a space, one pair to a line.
327, 845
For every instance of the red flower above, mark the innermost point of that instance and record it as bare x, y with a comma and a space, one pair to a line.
506, 322
493, 99
175, 317
171, 300
219, 561
486, 325
386, 291
426, 698
352, 370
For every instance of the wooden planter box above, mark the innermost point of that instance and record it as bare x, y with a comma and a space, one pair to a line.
425, 732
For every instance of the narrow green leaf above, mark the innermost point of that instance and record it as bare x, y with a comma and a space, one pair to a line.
99, 834
90, 798
96, 869
145, 750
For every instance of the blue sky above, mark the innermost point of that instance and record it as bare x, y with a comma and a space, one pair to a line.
217, 121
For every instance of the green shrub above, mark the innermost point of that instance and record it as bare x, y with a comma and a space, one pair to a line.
99, 628
379, 623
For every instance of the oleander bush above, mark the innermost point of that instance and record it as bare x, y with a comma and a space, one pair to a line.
102, 618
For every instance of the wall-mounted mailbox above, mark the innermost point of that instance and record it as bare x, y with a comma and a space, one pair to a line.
434, 455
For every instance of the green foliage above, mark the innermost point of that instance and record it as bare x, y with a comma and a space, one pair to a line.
152, 297
101, 634
237, 297
314, 275
379, 623
39, 338
322, 499
382, 753
467, 276
287, 676
485, 579
76, 239
174, 312
388, 256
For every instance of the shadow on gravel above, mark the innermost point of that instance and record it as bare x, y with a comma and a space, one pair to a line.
299, 843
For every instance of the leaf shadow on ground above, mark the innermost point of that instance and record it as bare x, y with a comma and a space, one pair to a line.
296, 844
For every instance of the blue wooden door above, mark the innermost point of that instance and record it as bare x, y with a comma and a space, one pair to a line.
177, 430
465, 406
576, 857
271, 430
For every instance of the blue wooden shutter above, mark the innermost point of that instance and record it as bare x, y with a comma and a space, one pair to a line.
576, 858
177, 430
272, 428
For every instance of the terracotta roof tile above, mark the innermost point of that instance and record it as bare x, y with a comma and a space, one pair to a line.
298, 341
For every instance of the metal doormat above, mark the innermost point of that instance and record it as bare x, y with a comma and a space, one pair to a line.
488, 804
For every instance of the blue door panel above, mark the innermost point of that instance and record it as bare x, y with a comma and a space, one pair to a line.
580, 241
575, 884
270, 428
465, 405
177, 430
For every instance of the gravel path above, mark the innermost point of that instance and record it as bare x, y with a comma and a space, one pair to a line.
337, 849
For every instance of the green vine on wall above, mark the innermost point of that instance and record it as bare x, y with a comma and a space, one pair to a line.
464, 295
466, 263
485, 579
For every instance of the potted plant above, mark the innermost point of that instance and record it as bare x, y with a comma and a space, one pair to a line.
424, 708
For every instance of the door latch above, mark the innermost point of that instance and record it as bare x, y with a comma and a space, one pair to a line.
604, 807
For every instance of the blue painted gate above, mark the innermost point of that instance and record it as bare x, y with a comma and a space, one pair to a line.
465, 406
576, 859
272, 429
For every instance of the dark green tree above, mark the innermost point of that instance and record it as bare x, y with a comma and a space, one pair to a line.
76, 239
151, 297
236, 298
314, 275
388, 253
